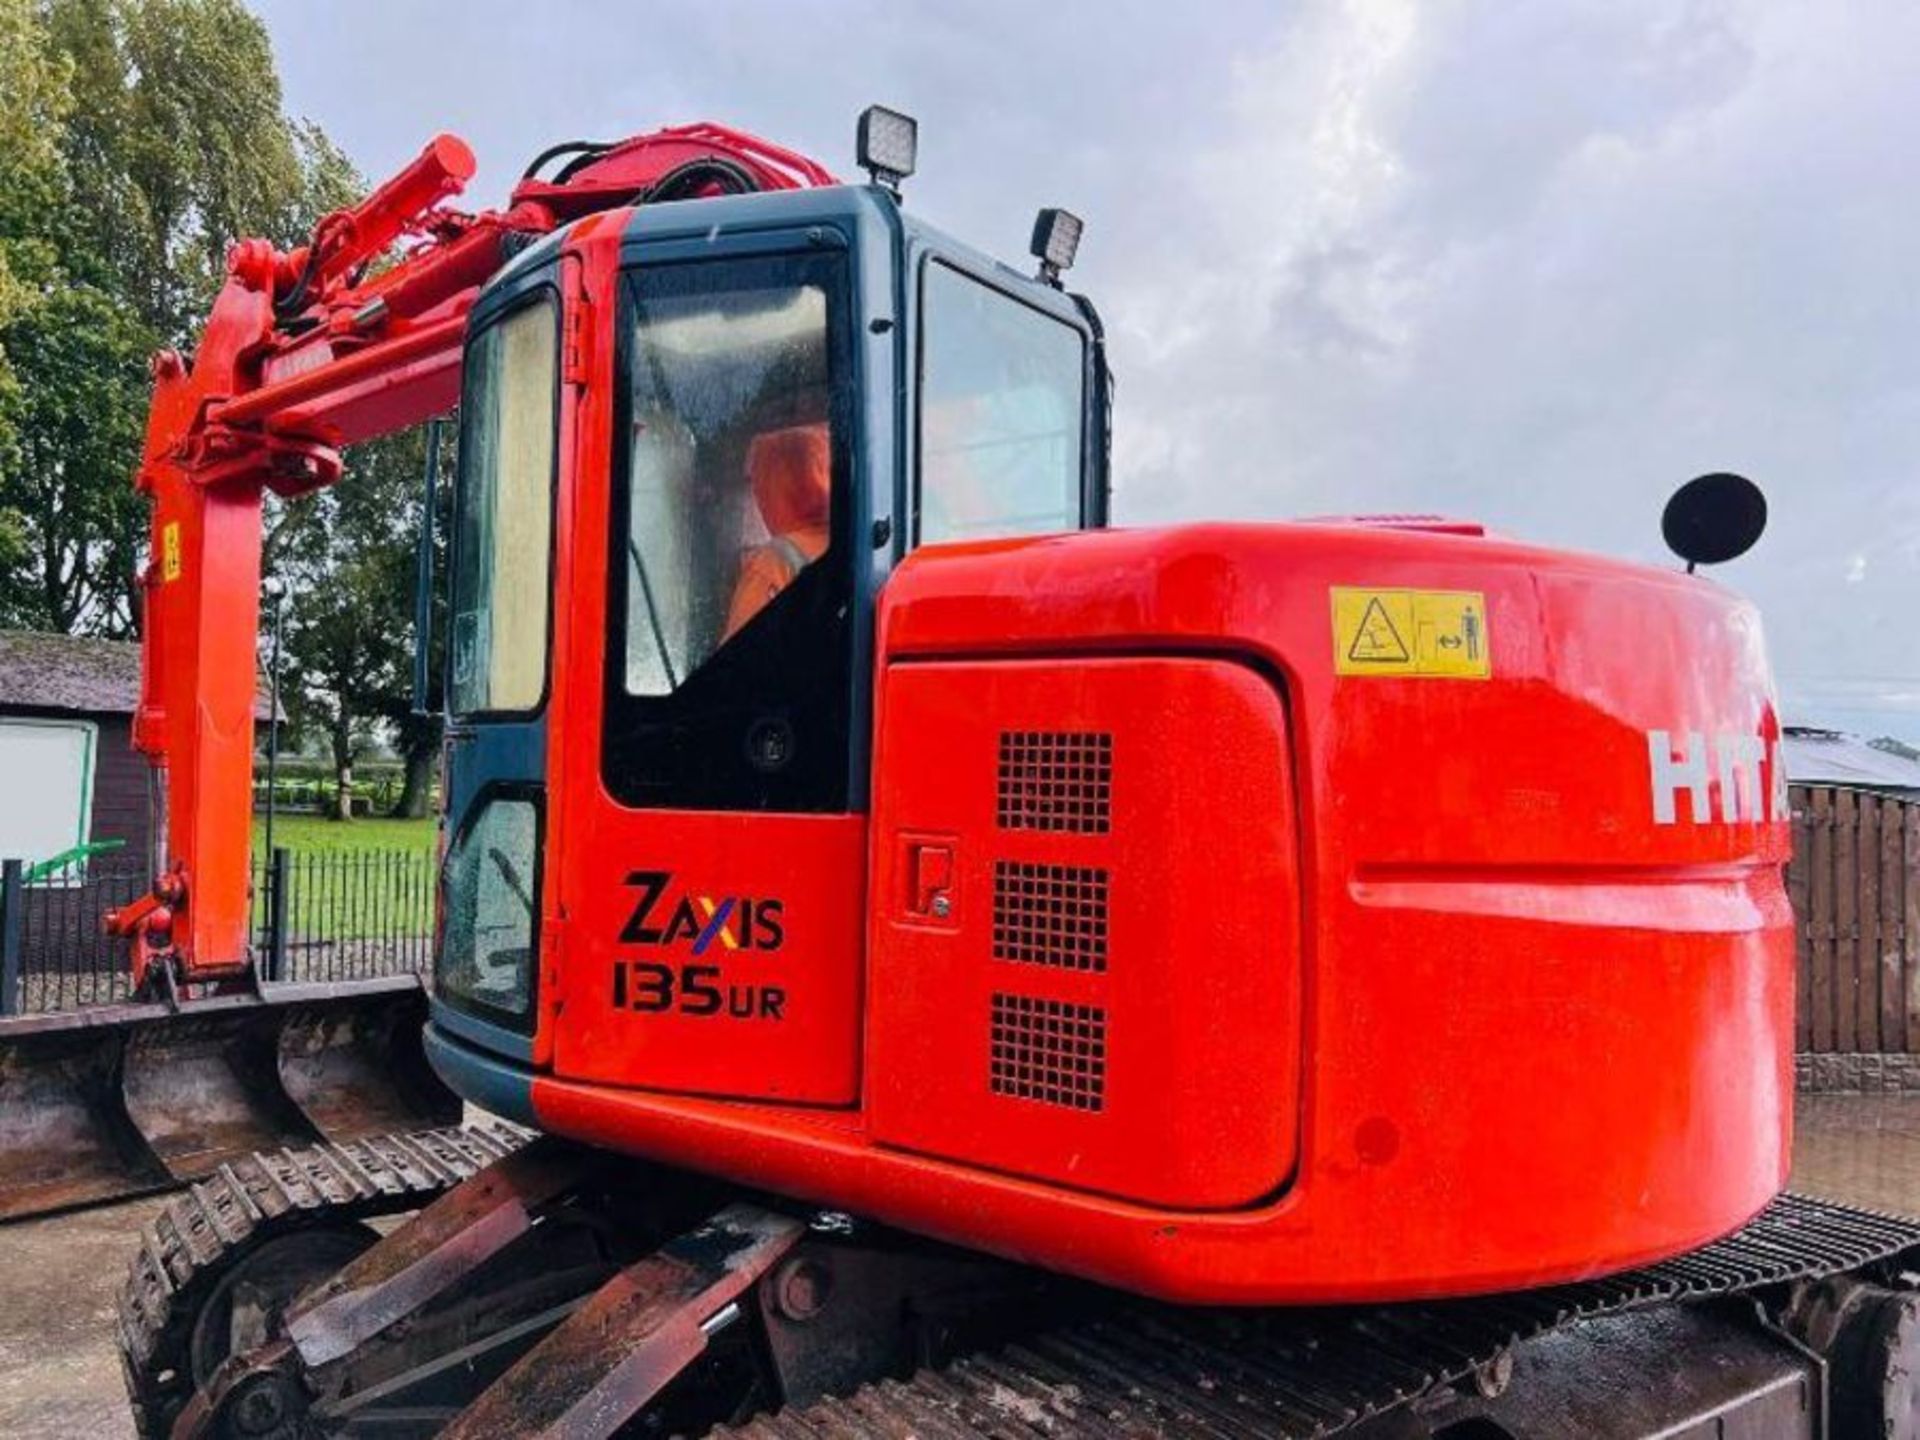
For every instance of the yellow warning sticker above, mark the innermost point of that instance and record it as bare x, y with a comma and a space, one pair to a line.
1440, 633
170, 551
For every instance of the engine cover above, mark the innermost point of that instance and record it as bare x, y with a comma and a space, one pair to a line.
1287, 913
1087, 942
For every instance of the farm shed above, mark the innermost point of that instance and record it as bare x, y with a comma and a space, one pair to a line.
68, 770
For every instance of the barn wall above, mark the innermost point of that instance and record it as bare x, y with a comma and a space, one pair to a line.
119, 779
66, 959
120, 787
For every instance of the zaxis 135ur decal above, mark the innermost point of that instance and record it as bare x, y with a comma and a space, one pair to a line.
713, 926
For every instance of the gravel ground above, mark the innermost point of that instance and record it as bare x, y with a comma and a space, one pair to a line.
59, 1277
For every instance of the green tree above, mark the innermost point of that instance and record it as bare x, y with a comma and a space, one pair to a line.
418, 737
348, 558
141, 138
34, 103
178, 146
80, 412
138, 139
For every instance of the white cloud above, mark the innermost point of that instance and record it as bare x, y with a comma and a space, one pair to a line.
1532, 263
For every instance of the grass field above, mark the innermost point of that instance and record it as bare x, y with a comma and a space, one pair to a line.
355, 880
315, 835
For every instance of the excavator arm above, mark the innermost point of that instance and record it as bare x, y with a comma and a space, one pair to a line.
307, 351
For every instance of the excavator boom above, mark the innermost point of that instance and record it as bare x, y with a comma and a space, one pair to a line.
356, 334
305, 352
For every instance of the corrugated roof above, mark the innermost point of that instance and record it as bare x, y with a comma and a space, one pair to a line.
70, 672
1831, 757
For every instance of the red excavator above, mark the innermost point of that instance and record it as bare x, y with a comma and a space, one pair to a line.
973, 970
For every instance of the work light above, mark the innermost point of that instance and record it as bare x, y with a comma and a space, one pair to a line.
1056, 239
887, 145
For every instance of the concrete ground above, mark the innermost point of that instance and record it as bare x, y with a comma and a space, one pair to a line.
59, 1278
59, 1284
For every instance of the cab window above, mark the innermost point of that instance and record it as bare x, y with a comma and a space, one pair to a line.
503, 530
730, 461
729, 684
1001, 401
489, 913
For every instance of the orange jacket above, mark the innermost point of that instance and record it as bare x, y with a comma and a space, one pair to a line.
791, 472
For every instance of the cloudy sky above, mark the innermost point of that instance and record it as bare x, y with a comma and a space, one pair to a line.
1529, 263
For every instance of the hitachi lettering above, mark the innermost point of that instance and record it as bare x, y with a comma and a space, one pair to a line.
1743, 770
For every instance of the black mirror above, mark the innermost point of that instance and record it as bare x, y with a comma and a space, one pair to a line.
1714, 518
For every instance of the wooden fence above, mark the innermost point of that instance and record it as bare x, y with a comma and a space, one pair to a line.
1855, 884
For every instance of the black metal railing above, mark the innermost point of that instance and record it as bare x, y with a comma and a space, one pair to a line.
54, 952
325, 916
350, 915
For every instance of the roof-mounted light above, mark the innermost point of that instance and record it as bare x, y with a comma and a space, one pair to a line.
887, 145
1056, 239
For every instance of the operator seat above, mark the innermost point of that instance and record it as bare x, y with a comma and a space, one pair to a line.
791, 472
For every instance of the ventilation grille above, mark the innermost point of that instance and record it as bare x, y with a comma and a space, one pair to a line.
1050, 915
1056, 780
1051, 1051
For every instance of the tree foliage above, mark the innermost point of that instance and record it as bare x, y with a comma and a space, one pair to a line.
34, 102
138, 139
348, 558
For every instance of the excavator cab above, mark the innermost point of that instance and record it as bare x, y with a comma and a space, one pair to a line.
696, 439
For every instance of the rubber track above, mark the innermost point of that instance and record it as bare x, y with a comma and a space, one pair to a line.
1148, 1370
244, 1204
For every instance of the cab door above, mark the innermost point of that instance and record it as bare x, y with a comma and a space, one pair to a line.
515, 412
717, 844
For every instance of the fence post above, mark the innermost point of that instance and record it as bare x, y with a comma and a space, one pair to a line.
281, 862
13, 916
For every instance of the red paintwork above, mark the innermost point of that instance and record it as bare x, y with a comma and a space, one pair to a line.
807, 1049
1200, 990
1541, 1035
265, 404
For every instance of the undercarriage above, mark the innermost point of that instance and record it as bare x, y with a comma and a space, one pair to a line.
541, 1288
